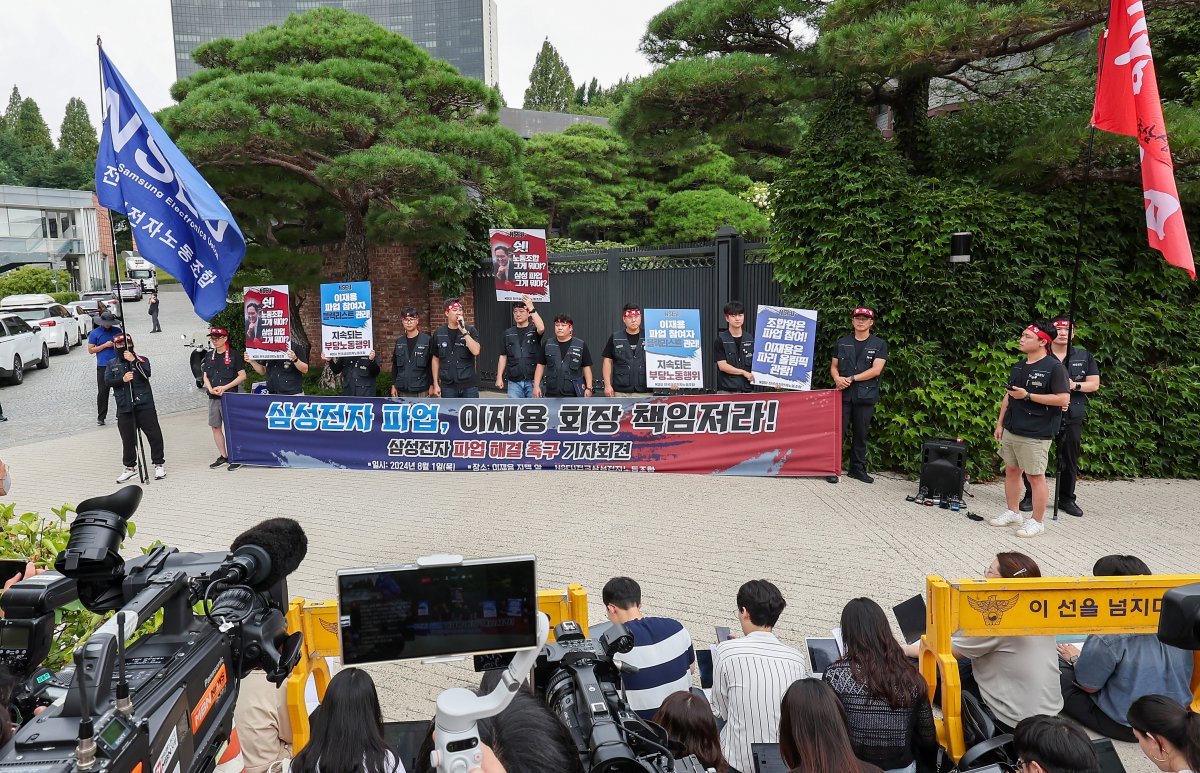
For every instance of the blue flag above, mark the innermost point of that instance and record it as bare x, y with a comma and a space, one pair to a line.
180, 223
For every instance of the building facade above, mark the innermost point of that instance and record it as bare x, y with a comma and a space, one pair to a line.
461, 32
54, 228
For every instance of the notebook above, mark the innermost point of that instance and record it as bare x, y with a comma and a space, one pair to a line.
767, 759
406, 738
910, 615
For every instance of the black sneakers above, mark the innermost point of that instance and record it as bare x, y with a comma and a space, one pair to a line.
860, 475
1027, 504
234, 466
221, 460
1070, 508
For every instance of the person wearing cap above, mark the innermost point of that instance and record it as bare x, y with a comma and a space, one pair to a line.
624, 357
284, 377
359, 374
858, 362
1037, 392
100, 343
129, 376
223, 370
455, 347
734, 352
411, 373
519, 359
1084, 377
565, 362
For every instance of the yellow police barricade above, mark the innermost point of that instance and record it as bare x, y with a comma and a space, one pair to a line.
317, 621
1042, 606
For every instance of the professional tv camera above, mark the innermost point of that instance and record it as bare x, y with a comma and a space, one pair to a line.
580, 682
166, 704
1179, 623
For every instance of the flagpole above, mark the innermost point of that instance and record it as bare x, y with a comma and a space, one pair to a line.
139, 451
1083, 207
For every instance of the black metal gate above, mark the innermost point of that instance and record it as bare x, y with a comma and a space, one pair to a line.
593, 285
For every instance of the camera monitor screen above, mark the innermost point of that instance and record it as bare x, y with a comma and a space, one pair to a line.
412, 612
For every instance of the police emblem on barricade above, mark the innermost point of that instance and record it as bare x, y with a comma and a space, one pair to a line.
993, 608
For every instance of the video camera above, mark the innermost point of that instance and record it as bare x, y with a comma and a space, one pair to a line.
581, 683
167, 702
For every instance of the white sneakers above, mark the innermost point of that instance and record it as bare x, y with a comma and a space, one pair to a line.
1007, 518
1031, 528
160, 472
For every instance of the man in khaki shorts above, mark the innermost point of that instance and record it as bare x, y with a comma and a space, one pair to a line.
1030, 416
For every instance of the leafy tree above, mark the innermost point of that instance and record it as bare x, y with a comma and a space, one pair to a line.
550, 84
32, 279
580, 95
742, 71
593, 91
354, 124
31, 130
77, 137
693, 216
14, 107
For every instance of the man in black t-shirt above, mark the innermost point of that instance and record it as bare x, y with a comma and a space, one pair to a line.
521, 344
624, 357
285, 377
565, 362
1084, 378
455, 347
223, 369
1030, 415
858, 361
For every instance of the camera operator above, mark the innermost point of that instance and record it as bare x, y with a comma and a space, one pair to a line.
1053, 745
261, 717
662, 648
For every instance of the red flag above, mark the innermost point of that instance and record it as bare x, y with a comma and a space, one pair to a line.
1127, 102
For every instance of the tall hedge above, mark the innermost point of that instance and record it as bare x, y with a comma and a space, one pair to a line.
853, 226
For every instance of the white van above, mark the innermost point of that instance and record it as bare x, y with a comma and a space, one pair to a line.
141, 271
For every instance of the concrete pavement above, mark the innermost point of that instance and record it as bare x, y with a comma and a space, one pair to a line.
689, 540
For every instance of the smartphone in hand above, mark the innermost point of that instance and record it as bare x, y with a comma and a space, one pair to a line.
723, 634
12, 567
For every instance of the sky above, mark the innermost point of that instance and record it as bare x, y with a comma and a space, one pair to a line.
48, 47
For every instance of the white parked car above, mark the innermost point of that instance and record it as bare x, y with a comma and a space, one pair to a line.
60, 327
130, 291
21, 345
84, 311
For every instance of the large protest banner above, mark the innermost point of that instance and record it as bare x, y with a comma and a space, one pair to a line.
784, 433
784, 343
268, 322
520, 265
346, 320
673, 354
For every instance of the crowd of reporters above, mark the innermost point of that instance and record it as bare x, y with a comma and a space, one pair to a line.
869, 711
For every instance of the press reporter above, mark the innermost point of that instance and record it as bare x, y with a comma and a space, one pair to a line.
347, 730
1053, 745
813, 734
1167, 732
129, 377
688, 719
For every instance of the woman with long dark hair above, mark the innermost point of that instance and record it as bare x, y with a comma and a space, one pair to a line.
688, 719
1169, 733
813, 735
347, 733
885, 698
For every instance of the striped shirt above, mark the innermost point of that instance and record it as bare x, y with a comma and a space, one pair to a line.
662, 653
750, 676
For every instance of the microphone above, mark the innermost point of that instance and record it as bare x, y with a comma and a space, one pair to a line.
265, 554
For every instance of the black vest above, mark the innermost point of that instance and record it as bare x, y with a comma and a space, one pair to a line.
629, 363
520, 347
738, 358
562, 370
1077, 365
358, 375
1025, 417
851, 364
457, 363
283, 378
143, 397
412, 375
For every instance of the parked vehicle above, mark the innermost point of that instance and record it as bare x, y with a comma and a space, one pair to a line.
138, 269
25, 299
84, 312
93, 295
59, 325
130, 291
21, 345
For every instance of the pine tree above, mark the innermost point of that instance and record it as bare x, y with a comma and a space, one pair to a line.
77, 137
550, 84
31, 129
581, 95
14, 107
594, 91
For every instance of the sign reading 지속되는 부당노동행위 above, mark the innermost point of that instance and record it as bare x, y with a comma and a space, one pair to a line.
673, 349
346, 329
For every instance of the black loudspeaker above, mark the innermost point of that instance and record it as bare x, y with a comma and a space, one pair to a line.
960, 247
943, 467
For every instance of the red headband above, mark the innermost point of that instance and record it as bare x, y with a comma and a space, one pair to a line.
453, 306
218, 331
1042, 334
863, 312
632, 313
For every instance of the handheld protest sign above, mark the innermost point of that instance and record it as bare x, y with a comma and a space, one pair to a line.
520, 265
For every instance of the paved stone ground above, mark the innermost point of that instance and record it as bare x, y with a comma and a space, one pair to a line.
61, 400
690, 540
